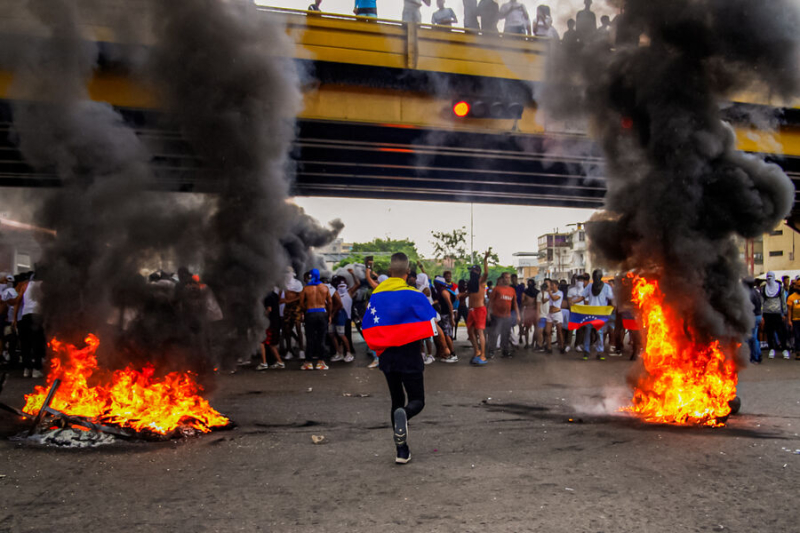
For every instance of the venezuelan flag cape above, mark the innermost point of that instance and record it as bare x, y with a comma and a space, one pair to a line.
594, 315
396, 315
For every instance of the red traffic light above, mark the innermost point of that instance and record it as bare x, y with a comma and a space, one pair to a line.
461, 109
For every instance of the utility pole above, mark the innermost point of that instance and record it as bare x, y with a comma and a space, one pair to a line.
471, 233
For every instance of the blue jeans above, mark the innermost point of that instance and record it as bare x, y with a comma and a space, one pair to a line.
755, 346
587, 338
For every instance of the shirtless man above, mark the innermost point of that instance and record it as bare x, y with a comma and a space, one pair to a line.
476, 319
315, 301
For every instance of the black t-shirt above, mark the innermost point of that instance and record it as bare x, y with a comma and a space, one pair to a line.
406, 359
273, 301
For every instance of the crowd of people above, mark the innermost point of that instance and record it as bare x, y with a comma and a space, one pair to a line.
485, 16
776, 306
22, 337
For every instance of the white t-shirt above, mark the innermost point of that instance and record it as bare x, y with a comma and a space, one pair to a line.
544, 305
30, 305
9, 293
515, 14
606, 295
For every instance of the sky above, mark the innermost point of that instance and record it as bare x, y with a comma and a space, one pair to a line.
507, 229
392, 9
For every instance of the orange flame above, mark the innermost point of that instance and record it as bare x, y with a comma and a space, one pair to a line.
130, 398
686, 382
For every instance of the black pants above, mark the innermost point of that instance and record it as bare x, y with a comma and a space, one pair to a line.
316, 330
414, 386
32, 341
775, 331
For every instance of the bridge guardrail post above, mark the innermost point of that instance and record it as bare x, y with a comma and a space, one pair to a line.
412, 49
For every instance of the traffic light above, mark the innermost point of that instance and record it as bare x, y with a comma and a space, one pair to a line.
481, 108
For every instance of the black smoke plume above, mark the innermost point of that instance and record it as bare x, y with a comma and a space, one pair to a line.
678, 190
220, 68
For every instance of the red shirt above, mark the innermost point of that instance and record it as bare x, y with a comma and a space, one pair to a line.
501, 304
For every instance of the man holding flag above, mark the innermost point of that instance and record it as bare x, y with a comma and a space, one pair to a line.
397, 320
595, 314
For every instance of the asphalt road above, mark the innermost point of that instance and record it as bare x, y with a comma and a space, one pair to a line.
494, 450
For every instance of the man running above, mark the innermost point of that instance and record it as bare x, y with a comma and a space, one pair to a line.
398, 319
316, 303
476, 319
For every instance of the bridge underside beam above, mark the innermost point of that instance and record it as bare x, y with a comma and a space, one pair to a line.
336, 159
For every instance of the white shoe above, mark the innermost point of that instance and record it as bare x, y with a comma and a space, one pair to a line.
262, 366
349, 358
289, 356
243, 362
373, 364
428, 359
772, 354
567, 349
785, 356
302, 355
336, 358
579, 349
26, 373
452, 358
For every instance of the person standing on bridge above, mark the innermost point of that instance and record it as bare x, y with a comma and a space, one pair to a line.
411, 10
489, 13
471, 15
586, 23
517, 18
366, 8
444, 16
315, 6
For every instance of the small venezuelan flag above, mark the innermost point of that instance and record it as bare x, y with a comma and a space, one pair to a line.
594, 315
629, 321
396, 315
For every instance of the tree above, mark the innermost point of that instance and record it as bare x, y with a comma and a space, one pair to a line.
381, 249
450, 245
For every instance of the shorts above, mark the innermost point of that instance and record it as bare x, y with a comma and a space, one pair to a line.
556, 318
340, 321
528, 317
565, 316
367, 12
476, 319
292, 315
273, 337
447, 327
542, 322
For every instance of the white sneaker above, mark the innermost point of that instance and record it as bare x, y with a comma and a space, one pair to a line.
567, 349
428, 359
772, 354
302, 355
262, 366
452, 358
336, 358
579, 349
373, 364
785, 356
289, 356
349, 358
26, 373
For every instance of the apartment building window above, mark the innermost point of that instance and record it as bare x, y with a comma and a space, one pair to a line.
776, 232
581, 236
776, 253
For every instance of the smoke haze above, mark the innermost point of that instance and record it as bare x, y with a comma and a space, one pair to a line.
678, 190
222, 73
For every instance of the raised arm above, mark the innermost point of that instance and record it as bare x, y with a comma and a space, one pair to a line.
485, 274
352, 290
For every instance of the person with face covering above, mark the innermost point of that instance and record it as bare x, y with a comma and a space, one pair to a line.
774, 311
316, 304
574, 295
292, 315
7, 297
343, 314
598, 293
422, 283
